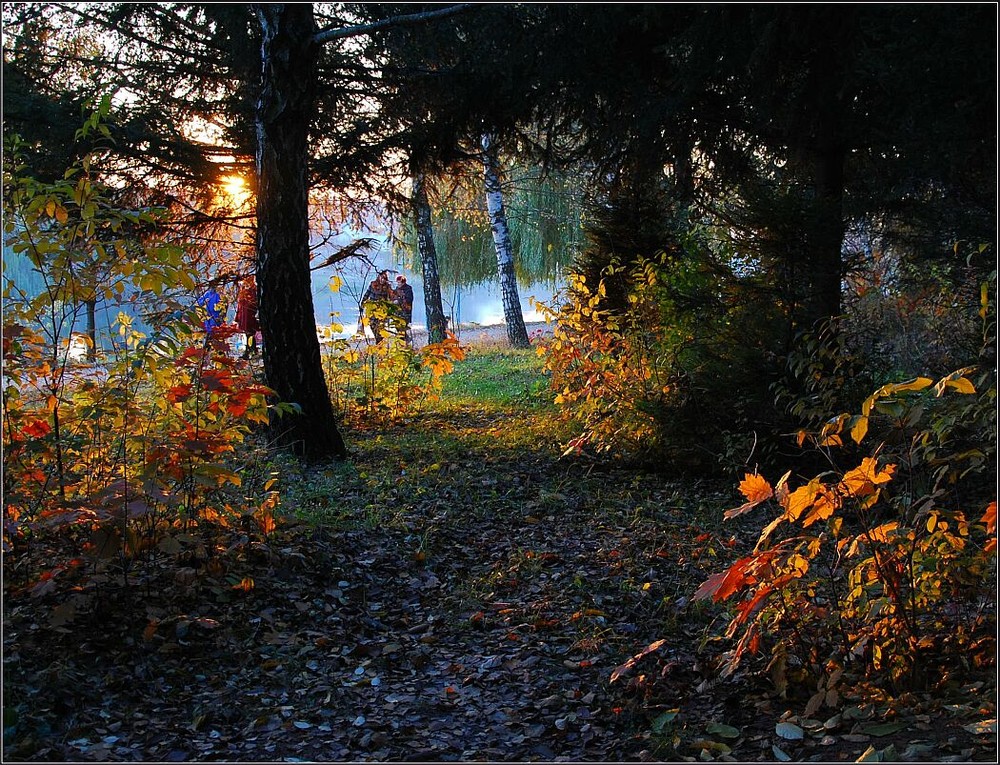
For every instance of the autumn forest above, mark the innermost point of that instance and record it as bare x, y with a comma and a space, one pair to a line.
726, 493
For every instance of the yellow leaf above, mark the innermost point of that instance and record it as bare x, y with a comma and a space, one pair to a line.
956, 381
798, 564
962, 385
766, 532
862, 480
880, 533
860, 429
800, 500
917, 383
866, 407
824, 505
835, 526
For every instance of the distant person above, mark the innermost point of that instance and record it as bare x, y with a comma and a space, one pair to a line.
402, 296
246, 315
210, 301
378, 292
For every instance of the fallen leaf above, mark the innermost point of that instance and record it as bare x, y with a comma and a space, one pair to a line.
664, 719
984, 726
721, 729
789, 731
883, 729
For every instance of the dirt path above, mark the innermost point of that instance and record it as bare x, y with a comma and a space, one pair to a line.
462, 601
474, 625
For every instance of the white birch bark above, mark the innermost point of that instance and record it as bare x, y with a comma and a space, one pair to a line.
513, 318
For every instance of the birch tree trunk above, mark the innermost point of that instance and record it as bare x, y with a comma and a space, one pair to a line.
292, 364
436, 322
514, 319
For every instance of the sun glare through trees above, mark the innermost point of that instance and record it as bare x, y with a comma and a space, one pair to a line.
725, 492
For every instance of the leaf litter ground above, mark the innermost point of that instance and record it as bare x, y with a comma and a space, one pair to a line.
456, 592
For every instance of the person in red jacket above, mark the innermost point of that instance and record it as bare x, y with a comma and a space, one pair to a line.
246, 315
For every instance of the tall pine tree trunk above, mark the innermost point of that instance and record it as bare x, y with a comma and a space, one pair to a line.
436, 322
516, 332
826, 156
292, 363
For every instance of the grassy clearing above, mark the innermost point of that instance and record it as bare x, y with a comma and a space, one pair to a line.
494, 412
498, 378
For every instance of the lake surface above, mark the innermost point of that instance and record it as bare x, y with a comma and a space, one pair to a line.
463, 305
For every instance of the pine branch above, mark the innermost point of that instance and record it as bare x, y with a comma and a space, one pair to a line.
326, 35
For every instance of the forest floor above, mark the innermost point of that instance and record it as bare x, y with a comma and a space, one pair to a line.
455, 591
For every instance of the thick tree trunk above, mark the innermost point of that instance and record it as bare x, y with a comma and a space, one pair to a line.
437, 324
516, 332
826, 277
827, 157
292, 363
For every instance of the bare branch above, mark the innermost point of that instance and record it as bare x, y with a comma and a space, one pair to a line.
326, 35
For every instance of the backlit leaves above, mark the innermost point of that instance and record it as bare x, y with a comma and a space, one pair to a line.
900, 559
990, 519
756, 489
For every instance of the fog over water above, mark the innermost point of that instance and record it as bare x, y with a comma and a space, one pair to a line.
463, 305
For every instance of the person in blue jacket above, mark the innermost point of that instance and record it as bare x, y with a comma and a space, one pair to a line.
210, 301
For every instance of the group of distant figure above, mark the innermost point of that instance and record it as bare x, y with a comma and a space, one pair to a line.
387, 308
383, 303
246, 318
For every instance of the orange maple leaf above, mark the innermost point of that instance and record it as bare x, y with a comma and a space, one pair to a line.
862, 481
756, 489
990, 519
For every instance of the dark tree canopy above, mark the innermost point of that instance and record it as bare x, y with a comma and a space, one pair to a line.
786, 125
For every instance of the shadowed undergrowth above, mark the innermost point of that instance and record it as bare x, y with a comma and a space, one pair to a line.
456, 591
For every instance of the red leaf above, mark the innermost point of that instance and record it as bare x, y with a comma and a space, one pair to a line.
720, 586
178, 393
37, 429
217, 380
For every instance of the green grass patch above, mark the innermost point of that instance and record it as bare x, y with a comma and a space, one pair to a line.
495, 411
498, 378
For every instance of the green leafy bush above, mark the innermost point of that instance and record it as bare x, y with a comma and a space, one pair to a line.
674, 376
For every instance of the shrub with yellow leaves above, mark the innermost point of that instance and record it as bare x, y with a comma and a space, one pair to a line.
886, 568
